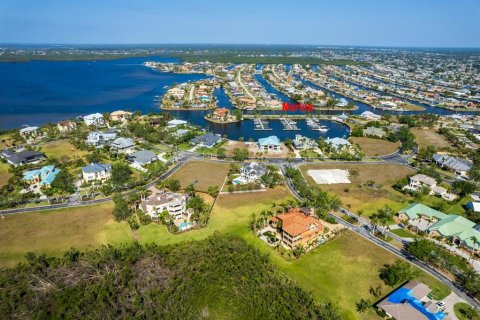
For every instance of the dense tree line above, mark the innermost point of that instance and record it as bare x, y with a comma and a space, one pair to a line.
220, 277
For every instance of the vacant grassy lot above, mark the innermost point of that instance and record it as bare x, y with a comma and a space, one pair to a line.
4, 174
375, 147
58, 149
205, 173
361, 197
342, 272
231, 213
55, 231
428, 137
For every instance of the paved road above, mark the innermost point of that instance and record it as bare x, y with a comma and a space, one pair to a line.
362, 231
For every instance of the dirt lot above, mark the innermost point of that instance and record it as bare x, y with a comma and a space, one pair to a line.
205, 174
375, 147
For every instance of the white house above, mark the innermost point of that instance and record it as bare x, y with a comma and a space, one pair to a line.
123, 145
175, 123
368, 115
95, 119
28, 132
96, 172
250, 172
271, 143
338, 143
97, 138
419, 181
174, 203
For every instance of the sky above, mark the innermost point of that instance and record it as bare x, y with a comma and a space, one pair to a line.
410, 23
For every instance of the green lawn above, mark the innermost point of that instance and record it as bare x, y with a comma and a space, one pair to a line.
55, 231
60, 148
403, 233
458, 309
4, 174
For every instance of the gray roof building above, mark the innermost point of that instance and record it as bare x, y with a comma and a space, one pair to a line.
142, 157
207, 140
122, 143
97, 167
22, 157
456, 164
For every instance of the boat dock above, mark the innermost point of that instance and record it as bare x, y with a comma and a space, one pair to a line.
289, 125
314, 124
261, 125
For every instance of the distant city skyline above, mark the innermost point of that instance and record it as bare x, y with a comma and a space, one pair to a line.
407, 23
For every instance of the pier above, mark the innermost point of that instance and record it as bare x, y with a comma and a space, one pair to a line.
261, 125
289, 125
315, 125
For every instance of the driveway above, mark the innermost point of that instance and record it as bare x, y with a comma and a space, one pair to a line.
450, 301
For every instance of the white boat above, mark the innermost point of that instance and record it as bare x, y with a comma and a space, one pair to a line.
322, 128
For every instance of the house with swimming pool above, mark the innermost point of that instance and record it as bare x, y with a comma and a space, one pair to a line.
411, 301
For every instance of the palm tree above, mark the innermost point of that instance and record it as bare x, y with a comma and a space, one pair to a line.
474, 240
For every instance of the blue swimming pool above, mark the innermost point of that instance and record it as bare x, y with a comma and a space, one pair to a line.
184, 226
403, 295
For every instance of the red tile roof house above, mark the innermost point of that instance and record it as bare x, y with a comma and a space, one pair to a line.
298, 227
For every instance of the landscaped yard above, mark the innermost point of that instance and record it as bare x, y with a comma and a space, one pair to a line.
375, 147
60, 148
55, 231
428, 137
366, 198
403, 233
205, 174
4, 174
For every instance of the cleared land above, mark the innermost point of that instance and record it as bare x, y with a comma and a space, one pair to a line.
428, 137
58, 149
375, 147
4, 174
360, 196
55, 231
205, 174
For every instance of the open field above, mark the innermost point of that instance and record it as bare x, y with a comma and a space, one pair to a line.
55, 231
364, 198
4, 174
205, 173
342, 272
375, 147
428, 137
60, 148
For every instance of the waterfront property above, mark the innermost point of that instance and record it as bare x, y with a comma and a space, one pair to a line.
271, 143
96, 172
368, 115
29, 132
175, 123
94, 119
303, 143
97, 138
120, 116
419, 182
338, 144
66, 126
411, 302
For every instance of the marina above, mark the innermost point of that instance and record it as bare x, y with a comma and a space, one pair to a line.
315, 125
289, 125
261, 125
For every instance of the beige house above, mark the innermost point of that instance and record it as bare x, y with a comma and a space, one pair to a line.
66, 126
121, 116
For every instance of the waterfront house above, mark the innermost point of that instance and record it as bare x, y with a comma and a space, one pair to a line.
338, 144
175, 123
97, 138
411, 302
221, 114
96, 172
174, 203
368, 115
298, 227
43, 176
123, 145
66, 126
457, 165
17, 158
303, 143
271, 143
142, 157
120, 116
207, 140
94, 119
29, 132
